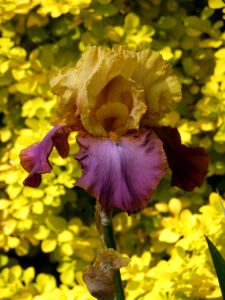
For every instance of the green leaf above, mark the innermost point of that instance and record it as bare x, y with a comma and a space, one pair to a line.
60, 26
220, 135
131, 21
106, 10
221, 202
219, 265
37, 35
216, 4
166, 22
206, 12
56, 223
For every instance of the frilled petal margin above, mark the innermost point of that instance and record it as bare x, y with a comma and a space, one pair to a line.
121, 175
34, 159
189, 165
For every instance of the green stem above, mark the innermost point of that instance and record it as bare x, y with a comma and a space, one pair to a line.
109, 239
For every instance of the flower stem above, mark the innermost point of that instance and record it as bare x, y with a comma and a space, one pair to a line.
109, 239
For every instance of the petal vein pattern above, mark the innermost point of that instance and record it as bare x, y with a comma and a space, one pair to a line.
121, 175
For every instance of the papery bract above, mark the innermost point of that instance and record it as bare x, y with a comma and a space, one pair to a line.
100, 276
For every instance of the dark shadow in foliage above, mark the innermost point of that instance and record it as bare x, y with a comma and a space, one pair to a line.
78, 203
217, 182
41, 262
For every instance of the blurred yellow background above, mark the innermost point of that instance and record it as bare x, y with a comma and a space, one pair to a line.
48, 234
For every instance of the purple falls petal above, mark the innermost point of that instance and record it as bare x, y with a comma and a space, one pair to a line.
121, 175
34, 159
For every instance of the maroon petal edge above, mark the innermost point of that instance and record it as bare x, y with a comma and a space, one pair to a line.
34, 159
121, 175
189, 165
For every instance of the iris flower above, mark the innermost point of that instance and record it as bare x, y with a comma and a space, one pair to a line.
116, 99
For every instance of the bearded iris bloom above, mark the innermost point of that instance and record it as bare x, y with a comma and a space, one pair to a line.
116, 99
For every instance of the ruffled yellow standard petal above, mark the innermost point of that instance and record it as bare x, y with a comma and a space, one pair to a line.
113, 91
116, 102
161, 86
100, 93
65, 86
71, 85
